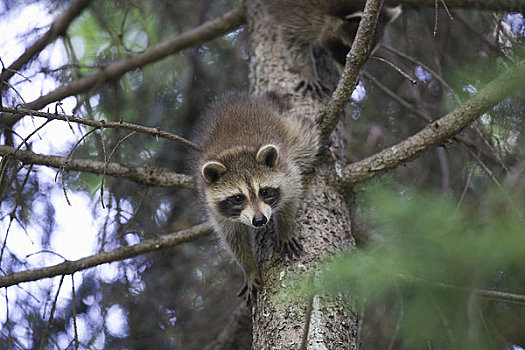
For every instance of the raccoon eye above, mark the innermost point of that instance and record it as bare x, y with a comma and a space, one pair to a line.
265, 192
238, 198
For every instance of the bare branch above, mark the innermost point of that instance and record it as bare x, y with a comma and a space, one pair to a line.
427, 68
74, 311
354, 61
238, 323
438, 131
69, 267
46, 332
102, 124
396, 97
151, 176
422, 115
491, 45
58, 27
115, 70
489, 294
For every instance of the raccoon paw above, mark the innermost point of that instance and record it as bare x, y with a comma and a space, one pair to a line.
249, 290
290, 248
312, 86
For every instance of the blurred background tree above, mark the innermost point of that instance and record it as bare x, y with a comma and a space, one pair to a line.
183, 296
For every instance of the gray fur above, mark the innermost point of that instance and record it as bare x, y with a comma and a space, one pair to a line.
259, 147
331, 23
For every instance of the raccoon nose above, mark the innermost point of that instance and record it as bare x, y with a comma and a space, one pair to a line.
259, 221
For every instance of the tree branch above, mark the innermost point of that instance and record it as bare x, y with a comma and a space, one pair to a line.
438, 131
69, 267
151, 176
354, 61
103, 124
238, 323
115, 70
488, 294
425, 117
58, 27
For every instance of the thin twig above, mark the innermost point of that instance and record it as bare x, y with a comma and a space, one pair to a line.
398, 323
53, 308
396, 68
103, 125
15, 90
488, 294
238, 323
494, 47
64, 166
396, 97
48, 252
467, 184
74, 310
121, 34
308, 315
436, 16
490, 146
106, 161
24, 141
494, 179
425, 67
5, 239
14, 210
447, 10
483, 166
360, 324
137, 207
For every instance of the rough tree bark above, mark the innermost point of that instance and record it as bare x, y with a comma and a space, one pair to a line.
323, 225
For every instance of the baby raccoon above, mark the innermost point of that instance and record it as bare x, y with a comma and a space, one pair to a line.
251, 172
331, 23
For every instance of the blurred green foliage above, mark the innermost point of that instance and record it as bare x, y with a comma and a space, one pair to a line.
467, 236
427, 257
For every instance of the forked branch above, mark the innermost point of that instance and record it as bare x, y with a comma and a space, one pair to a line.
438, 131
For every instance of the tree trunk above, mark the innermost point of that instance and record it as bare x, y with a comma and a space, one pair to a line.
323, 225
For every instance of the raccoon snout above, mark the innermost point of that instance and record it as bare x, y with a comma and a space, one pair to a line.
259, 221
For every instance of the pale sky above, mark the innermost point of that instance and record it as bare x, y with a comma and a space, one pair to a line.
75, 234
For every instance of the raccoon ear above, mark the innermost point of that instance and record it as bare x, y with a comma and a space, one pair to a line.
268, 155
211, 171
393, 12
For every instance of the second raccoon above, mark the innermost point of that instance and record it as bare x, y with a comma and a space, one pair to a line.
331, 23
251, 172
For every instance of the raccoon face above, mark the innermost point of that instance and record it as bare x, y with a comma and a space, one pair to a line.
249, 196
250, 206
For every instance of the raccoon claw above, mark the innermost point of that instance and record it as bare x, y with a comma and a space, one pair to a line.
249, 290
290, 248
315, 87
